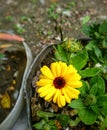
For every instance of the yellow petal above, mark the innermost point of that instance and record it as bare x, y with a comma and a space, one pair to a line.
42, 77
56, 95
63, 68
74, 92
70, 70
44, 88
53, 69
74, 84
47, 72
50, 99
58, 69
68, 93
62, 100
59, 101
44, 93
43, 82
76, 77
50, 94
67, 97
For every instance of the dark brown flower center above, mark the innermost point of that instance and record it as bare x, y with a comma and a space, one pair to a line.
59, 82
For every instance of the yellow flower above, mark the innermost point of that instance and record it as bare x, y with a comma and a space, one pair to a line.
58, 83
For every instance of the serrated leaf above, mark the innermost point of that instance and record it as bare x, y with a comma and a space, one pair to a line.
94, 50
104, 43
89, 72
90, 30
103, 28
98, 82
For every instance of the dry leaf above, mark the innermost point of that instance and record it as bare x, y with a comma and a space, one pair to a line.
3, 46
6, 101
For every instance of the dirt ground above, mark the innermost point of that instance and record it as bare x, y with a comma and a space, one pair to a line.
38, 21
42, 22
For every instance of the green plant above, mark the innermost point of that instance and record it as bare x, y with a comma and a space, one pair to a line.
19, 29
92, 101
46, 124
85, 19
90, 60
71, 4
52, 11
1, 57
91, 104
9, 18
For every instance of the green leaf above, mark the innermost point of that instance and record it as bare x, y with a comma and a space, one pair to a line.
85, 19
64, 119
104, 43
89, 72
79, 60
74, 122
60, 54
95, 108
86, 29
52, 125
104, 110
103, 28
1, 56
98, 82
53, 128
90, 30
102, 101
104, 124
39, 125
43, 114
85, 88
94, 89
87, 116
93, 48
77, 103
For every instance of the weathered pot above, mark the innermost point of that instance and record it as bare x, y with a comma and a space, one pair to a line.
25, 55
32, 71
35, 66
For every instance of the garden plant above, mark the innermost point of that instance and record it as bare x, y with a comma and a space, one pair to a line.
70, 88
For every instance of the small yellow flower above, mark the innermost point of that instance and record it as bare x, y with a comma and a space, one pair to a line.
58, 83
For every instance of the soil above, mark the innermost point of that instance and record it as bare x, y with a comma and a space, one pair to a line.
37, 21
44, 22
